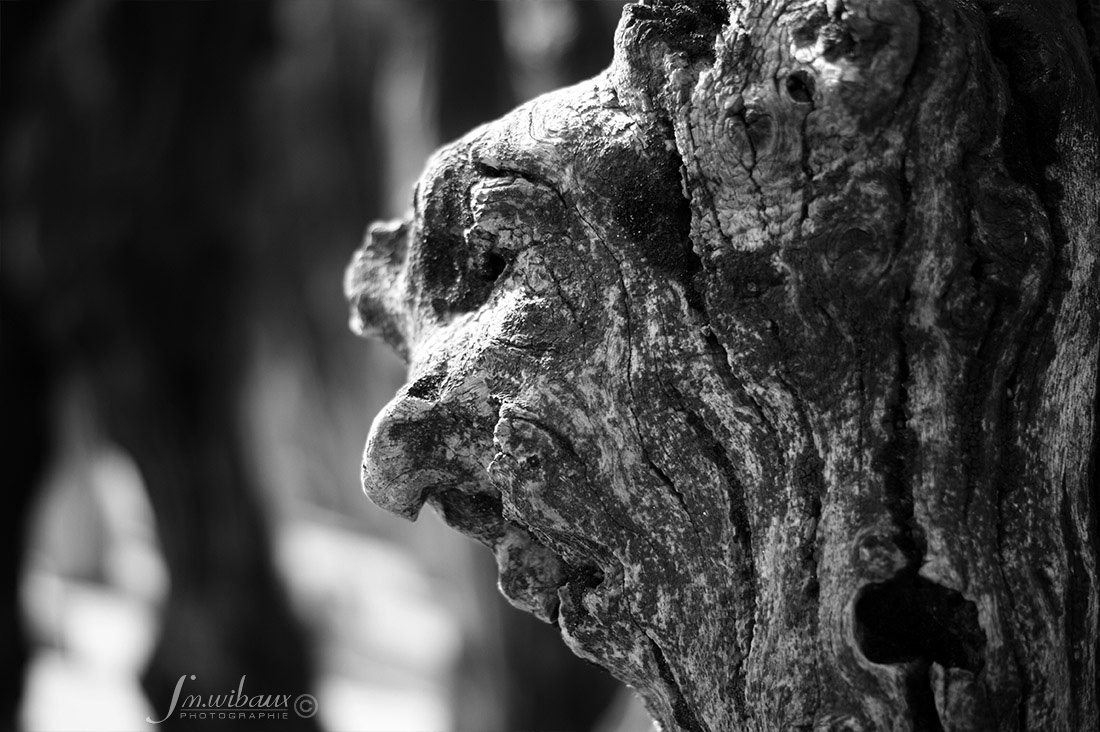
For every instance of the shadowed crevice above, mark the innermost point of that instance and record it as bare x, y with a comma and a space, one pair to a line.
427, 387
909, 618
681, 712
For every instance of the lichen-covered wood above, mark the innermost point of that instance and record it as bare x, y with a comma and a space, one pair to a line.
766, 361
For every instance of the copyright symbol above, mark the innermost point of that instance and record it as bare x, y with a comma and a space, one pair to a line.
305, 705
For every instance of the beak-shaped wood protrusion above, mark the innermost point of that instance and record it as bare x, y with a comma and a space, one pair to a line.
375, 287
394, 473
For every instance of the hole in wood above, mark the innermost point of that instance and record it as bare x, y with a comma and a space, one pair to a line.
583, 576
493, 266
800, 87
908, 618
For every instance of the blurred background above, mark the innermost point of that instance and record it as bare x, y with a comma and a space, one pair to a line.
183, 405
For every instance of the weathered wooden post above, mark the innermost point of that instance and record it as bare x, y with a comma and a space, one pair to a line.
766, 361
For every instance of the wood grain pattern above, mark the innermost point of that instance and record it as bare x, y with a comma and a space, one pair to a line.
766, 362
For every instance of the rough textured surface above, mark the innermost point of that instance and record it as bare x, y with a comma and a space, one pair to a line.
766, 362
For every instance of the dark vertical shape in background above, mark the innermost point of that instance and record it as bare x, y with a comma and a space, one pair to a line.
25, 377
321, 179
471, 69
25, 386
140, 167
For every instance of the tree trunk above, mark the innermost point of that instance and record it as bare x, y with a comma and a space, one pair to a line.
766, 362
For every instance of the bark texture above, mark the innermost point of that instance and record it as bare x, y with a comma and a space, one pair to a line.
766, 362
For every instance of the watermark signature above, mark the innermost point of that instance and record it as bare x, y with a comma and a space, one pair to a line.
236, 705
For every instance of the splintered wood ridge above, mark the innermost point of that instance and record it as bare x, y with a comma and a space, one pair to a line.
766, 362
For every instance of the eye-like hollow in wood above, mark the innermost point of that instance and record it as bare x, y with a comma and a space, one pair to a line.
493, 265
800, 87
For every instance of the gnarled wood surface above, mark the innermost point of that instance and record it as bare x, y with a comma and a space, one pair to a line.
766, 362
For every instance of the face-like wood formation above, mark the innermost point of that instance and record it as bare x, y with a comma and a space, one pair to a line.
765, 363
